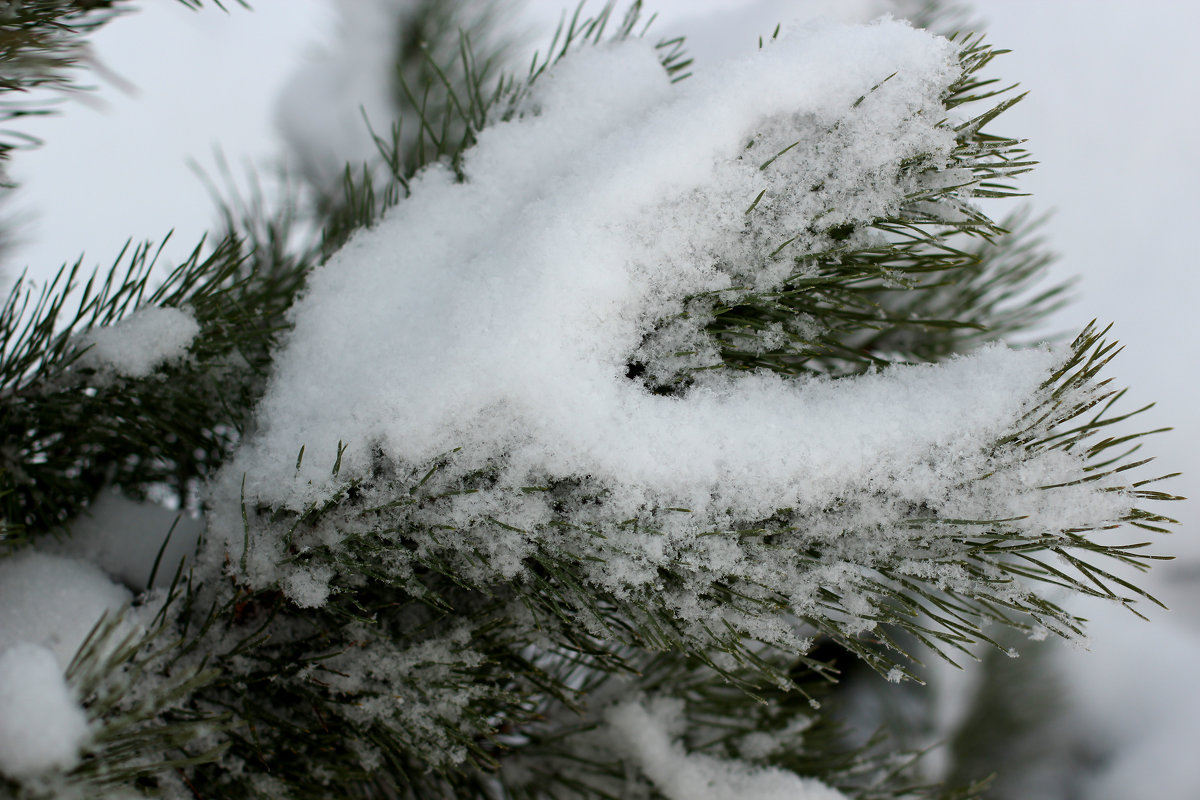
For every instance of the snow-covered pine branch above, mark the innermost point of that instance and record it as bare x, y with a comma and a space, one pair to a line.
482, 338
640, 391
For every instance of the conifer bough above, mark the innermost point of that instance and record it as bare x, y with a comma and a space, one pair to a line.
633, 397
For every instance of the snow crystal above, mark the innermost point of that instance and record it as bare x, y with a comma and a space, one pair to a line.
41, 725
137, 345
307, 588
53, 602
417, 691
644, 733
760, 745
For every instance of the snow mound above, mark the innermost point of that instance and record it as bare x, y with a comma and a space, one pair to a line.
53, 602
41, 725
499, 315
124, 537
491, 326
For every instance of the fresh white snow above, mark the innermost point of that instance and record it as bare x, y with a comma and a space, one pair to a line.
48, 606
644, 733
41, 725
140, 343
124, 537
53, 602
498, 315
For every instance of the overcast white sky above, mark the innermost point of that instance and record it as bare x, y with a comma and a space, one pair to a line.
1111, 115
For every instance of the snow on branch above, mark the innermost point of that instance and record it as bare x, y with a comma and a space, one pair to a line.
490, 328
137, 345
640, 394
499, 315
644, 731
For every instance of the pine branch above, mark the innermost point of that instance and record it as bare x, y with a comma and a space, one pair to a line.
413, 632
934, 280
948, 580
71, 428
407, 574
42, 46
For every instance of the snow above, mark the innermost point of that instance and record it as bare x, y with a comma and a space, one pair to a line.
416, 691
48, 606
645, 733
53, 602
41, 725
760, 745
570, 421
123, 537
1156, 756
142, 342
499, 315
307, 588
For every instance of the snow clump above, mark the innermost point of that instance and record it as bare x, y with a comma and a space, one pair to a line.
643, 732
53, 602
141, 343
42, 727
499, 315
